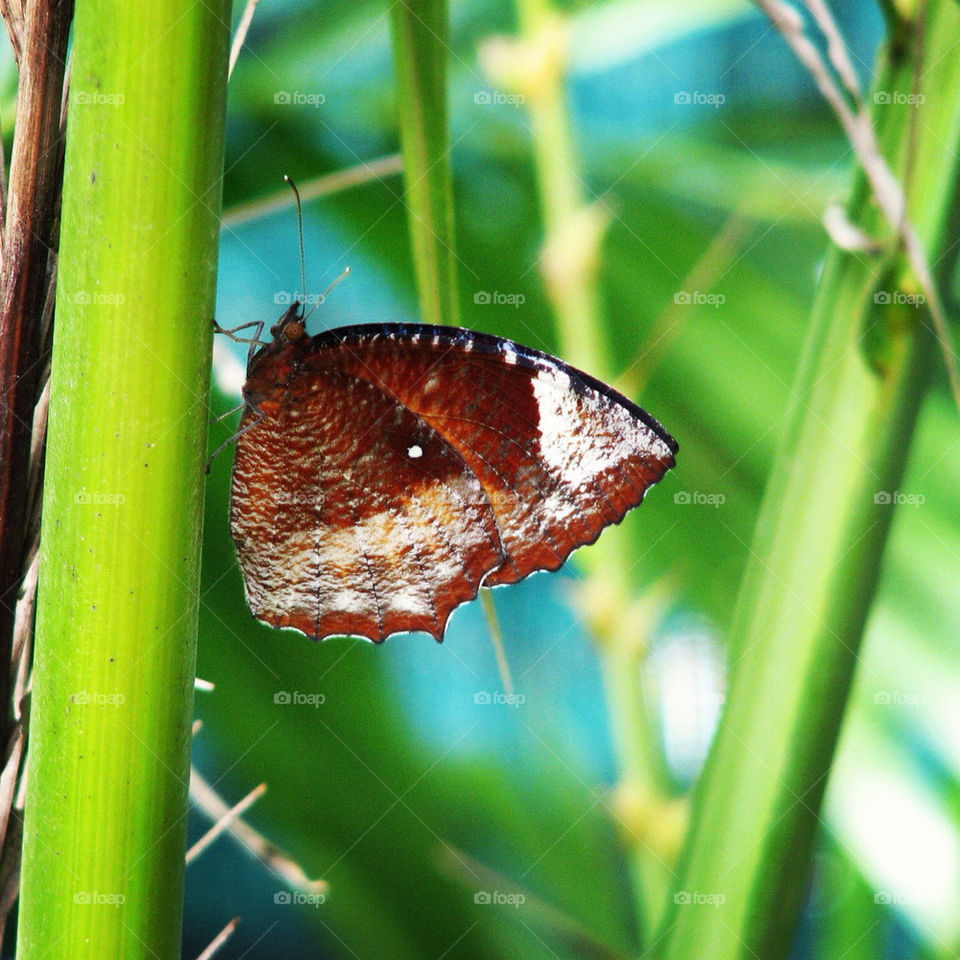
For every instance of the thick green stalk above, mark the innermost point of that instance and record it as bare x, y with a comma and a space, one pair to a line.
818, 546
420, 50
533, 67
117, 608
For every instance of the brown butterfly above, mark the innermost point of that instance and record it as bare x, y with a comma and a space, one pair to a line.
385, 472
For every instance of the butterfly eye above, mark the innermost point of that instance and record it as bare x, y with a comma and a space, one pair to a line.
294, 331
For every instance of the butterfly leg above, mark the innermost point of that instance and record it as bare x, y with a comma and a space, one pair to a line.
257, 417
223, 416
232, 332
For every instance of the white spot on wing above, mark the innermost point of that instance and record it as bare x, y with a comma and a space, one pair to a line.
414, 451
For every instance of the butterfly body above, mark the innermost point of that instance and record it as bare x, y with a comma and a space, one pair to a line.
384, 472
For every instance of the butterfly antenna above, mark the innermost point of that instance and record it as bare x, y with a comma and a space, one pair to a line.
303, 265
323, 296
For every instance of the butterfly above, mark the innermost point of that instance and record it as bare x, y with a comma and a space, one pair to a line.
383, 473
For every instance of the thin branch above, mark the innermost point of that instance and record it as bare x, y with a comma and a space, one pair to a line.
836, 48
847, 235
886, 189
319, 187
241, 35
10, 868
65, 95
38, 432
30, 235
712, 264
12, 13
232, 814
219, 940
9, 777
23, 636
272, 857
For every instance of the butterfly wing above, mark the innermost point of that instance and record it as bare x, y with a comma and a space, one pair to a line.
395, 468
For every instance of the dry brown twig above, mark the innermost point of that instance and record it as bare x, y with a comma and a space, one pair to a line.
220, 939
224, 822
30, 209
862, 137
12, 13
206, 799
836, 48
241, 35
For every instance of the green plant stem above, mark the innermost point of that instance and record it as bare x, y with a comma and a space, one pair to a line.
534, 65
651, 822
573, 230
817, 550
420, 50
117, 608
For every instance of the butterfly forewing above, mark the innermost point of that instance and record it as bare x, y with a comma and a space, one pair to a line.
393, 468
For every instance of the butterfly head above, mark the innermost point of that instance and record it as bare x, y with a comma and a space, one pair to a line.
290, 328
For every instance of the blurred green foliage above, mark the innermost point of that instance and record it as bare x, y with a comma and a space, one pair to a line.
400, 790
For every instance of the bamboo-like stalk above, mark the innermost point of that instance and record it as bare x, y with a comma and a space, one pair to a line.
419, 32
533, 66
819, 543
116, 621
573, 234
